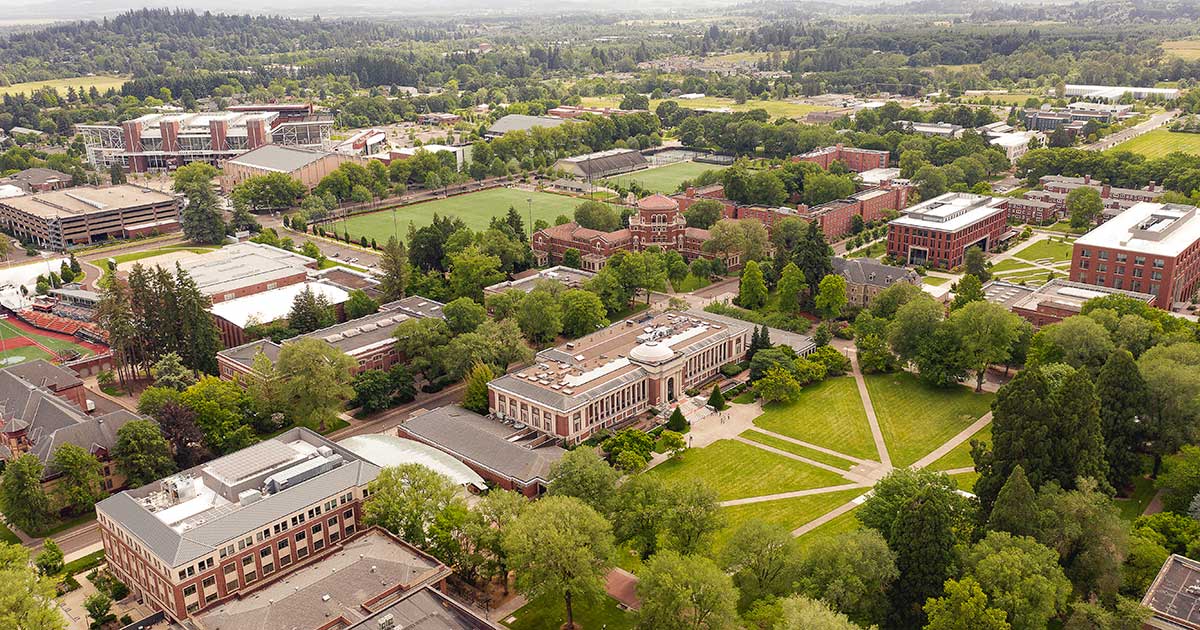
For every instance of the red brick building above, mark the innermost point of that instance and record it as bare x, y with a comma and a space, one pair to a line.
658, 222
937, 232
836, 217
1052, 302
1049, 203
1150, 248
855, 159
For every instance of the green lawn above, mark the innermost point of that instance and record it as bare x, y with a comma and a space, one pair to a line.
665, 179
8, 331
960, 456
475, 209
829, 414
874, 250
150, 253
739, 471
774, 109
6, 535
1046, 249
550, 612
100, 82
837, 526
691, 283
84, 563
966, 481
1010, 264
934, 281
796, 449
1160, 142
790, 513
916, 418
1064, 226
24, 354
1133, 506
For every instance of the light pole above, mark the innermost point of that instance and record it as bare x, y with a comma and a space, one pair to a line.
529, 202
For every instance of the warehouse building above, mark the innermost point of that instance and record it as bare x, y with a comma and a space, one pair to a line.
80, 216
307, 166
521, 122
602, 163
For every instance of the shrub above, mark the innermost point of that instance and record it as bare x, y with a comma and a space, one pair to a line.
730, 370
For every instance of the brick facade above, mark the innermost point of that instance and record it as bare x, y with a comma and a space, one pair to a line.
855, 159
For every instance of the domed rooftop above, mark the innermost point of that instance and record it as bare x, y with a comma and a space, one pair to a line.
651, 352
658, 202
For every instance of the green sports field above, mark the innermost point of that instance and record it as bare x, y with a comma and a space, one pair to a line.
475, 209
1160, 142
665, 179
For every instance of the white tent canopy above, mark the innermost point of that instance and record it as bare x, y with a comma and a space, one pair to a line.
389, 450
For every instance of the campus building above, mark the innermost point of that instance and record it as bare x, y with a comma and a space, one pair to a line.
1050, 201
855, 159
1113, 94
45, 406
601, 164
369, 340
836, 218
307, 166
1173, 596
168, 141
867, 277
658, 222
530, 279
1150, 248
218, 531
933, 130
521, 122
83, 215
243, 269
1052, 302
608, 379
575, 111
937, 232
36, 180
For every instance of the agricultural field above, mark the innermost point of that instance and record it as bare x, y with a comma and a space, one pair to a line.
776, 109
1186, 49
1160, 142
100, 82
665, 179
475, 209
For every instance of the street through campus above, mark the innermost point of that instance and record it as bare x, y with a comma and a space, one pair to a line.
1154, 122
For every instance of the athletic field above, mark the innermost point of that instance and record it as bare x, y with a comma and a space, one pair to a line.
665, 179
20, 343
475, 209
1160, 142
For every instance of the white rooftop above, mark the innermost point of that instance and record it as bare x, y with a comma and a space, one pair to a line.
8, 190
273, 305
951, 212
1014, 139
877, 175
1148, 227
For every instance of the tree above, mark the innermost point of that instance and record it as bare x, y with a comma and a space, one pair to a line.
813, 255
475, 396
923, 538
50, 560
80, 483
704, 213
572, 258
975, 264
270, 191
395, 270
487, 525
987, 332
463, 315
1123, 397
471, 271
1021, 577
1078, 341
408, 500
900, 486
1180, 479
310, 312
1173, 381
583, 474
1086, 530
671, 443
831, 296
791, 288
1128, 614
752, 288
220, 407
762, 557
686, 593
582, 312
637, 513
141, 453
201, 216
677, 422
194, 174
801, 613
99, 609
560, 547
178, 425
372, 390
693, 515
852, 573
317, 380
716, 400
1084, 205
596, 215
28, 599
963, 607
1014, 511
969, 289
359, 304
777, 385
540, 316
170, 372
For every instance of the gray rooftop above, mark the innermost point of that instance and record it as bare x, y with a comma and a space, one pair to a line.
1174, 596
193, 535
522, 122
37, 176
872, 272
279, 158
485, 442
243, 264
527, 280
802, 344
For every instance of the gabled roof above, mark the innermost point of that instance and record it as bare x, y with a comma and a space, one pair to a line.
872, 272
477, 439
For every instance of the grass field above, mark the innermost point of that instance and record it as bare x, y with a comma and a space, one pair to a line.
776, 109
551, 612
1186, 49
691, 283
665, 179
100, 82
960, 456
838, 525
1160, 142
23, 354
1009, 264
966, 481
796, 449
150, 253
739, 471
874, 250
475, 209
7, 537
1052, 250
790, 513
934, 281
916, 418
828, 414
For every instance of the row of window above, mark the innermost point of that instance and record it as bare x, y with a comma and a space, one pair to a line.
1121, 257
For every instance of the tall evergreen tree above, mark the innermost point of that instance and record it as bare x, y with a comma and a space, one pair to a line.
310, 312
201, 217
396, 270
198, 332
922, 538
115, 315
1123, 398
1078, 439
1014, 511
814, 256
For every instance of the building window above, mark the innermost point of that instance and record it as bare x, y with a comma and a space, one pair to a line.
1103, 254
282, 545
1159, 263
1139, 260
265, 552
1083, 252
189, 590
210, 597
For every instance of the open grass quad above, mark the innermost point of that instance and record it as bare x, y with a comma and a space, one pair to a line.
475, 209
665, 179
916, 418
1160, 142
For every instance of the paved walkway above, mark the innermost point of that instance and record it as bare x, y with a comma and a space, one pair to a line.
953, 442
794, 494
884, 457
